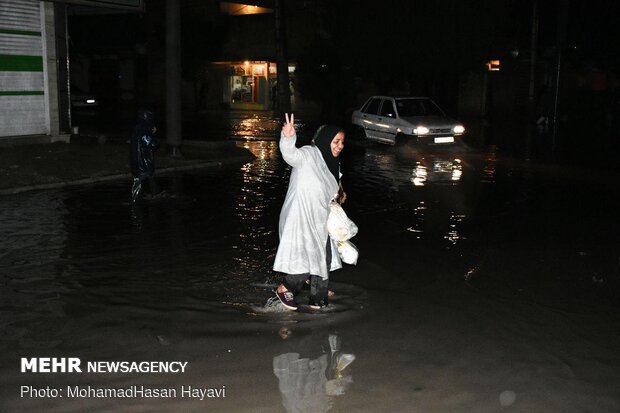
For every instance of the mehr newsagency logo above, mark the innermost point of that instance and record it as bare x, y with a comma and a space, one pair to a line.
75, 365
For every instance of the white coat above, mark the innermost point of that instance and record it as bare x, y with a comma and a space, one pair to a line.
303, 219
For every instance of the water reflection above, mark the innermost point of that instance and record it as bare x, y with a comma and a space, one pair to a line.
257, 203
255, 127
453, 235
436, 170
259, 128
310, 385
419, 214
442, 211
422, 191
214, 240
489, 170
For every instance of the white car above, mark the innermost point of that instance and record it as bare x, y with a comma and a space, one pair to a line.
382, 118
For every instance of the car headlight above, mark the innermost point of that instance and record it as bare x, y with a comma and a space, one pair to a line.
421, 130
459, 129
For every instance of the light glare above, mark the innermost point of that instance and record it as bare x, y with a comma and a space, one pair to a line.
421, 130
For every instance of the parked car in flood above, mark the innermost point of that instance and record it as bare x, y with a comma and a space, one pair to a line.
383, 118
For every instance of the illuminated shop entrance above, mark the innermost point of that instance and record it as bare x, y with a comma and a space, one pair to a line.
248, 83
251, 84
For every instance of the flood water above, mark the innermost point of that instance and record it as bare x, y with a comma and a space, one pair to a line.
84, 273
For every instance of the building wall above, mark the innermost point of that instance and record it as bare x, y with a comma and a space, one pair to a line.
29, 71
50, 65
22, 87
253, 37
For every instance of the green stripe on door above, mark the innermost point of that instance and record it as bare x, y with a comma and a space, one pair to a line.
22, 93
20, 32
18, 63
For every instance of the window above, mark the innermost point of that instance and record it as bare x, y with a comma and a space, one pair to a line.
363, 109
417, 107
241, 89
387, 109
373, 107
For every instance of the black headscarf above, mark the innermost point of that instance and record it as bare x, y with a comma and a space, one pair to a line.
322, 140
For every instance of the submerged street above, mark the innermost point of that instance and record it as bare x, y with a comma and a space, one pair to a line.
484, 284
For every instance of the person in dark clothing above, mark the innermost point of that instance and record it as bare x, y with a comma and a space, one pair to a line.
143, 146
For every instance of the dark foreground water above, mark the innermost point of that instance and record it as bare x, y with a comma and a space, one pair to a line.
454, 243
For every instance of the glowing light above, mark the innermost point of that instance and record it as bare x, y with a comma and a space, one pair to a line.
239, 9
419, 175
493, 65
421, 130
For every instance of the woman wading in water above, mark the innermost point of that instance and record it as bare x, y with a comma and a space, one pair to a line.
305, 250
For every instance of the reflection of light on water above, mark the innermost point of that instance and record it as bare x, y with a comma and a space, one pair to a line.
419, 174
248, 127
263, 150
419, 213
471, 273
457, 170
255, 126
489, 171
385, 162
453, 235
254, 199
441, 170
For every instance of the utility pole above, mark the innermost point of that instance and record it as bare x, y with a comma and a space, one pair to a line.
561, 38
174, 137
531, 93
284, 91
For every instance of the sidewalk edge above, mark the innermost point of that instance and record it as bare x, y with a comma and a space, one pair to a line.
115, 177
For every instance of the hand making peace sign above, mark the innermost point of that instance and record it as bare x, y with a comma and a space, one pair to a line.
289, 126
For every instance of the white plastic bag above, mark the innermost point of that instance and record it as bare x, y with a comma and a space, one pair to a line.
348, 252
341, 229
339, 226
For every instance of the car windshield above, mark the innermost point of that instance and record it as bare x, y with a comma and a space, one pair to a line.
417, 107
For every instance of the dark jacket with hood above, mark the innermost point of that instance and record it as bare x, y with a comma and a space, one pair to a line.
143, 145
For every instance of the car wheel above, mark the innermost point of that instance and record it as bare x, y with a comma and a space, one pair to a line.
400, 139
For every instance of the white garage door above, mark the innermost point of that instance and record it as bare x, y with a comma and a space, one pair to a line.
22, 100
